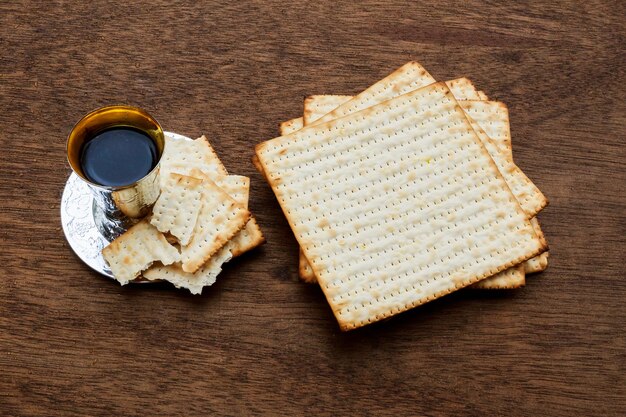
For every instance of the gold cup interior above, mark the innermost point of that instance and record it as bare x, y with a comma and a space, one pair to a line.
105, 118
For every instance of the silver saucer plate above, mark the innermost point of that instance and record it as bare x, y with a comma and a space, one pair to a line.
77, 216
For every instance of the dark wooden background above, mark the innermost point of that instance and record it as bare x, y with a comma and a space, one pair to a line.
259, 342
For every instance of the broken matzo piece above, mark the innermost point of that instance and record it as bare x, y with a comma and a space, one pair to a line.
205, 276
176, 210
182, 155
186, 156
396, 205
237, 187
220, 218
250, 236
136, 250
247, 239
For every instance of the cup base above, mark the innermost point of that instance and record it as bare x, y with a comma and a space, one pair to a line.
110, 227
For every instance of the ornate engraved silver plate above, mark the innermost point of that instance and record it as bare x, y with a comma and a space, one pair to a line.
83, 224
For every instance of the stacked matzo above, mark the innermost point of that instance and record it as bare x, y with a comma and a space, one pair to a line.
199, 222
404, 193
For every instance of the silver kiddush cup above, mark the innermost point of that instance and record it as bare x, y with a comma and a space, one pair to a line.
117, 208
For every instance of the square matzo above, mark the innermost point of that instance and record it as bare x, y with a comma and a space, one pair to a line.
412, 76
396, 205
316, 107
136, 250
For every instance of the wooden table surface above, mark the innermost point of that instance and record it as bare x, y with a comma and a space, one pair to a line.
259, 342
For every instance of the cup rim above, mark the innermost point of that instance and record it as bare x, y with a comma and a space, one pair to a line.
101, 109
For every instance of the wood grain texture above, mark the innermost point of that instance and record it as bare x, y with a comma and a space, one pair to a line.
259, 342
